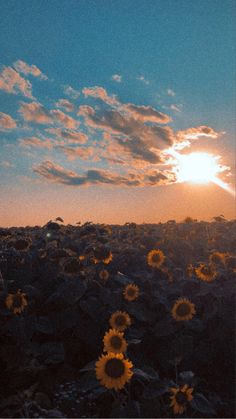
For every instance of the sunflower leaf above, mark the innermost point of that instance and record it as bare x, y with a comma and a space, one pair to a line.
88, 367
186, 376
201, 404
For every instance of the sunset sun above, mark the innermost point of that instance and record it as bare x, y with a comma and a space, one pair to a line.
197, 168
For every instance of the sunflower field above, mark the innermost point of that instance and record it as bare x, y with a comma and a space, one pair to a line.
110, 321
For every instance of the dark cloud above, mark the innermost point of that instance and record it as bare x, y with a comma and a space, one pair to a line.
58, 174
138, 138
147, 114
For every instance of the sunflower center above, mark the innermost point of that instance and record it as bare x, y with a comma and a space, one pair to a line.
181, 397
183, 309
130, 292
116, 342
205, 270
17, 301
156, 258
114, 368
120, 320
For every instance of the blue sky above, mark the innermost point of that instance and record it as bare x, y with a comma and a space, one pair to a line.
174, 57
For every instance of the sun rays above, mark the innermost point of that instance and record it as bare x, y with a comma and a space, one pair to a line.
199, 168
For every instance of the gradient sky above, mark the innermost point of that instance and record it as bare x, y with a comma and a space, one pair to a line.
93, 92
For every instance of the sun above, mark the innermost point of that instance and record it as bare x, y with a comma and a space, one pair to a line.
197, 168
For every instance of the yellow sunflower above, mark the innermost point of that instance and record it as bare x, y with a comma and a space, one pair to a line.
155, 258
113, 370
103, 275
131, 292
217, 258
102, 254
120, 320
206, 272
183, 309
16, 302
114, 342
181, 396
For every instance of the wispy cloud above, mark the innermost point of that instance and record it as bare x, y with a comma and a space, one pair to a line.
63, 119
71, 92
65, 104
35, 112
100, 93
70, 136
6, 164
37, 143
197, 132
171, 92
176, 108
143, 79
117, 78
12, 82
6, 122
26, 69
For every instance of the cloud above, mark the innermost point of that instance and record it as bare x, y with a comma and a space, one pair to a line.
12, 82
57, 174
117, 78
35, 112
63, 119
71, 92
6, 164
170, 92
6, 122
71, 137
196, 132
176, 108
100, 93
26, 69
134, 136
65, 104
147, 114
36, 142
85, 110
143, 80
77, 152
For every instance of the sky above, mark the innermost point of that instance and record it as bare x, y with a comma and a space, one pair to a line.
95, 95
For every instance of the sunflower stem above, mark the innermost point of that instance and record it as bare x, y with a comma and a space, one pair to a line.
176, 372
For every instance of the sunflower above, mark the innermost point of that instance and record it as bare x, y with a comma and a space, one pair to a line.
190, 270
16, 302
217, 258
181, 396
131, 292
206, 272
113, 370
72, 266
114, 342
183, 309
103, 275
102, 254
155, 258
120, 320
230, 262
22, 243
